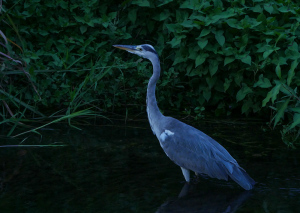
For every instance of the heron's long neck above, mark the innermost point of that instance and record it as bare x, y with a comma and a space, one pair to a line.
154, 115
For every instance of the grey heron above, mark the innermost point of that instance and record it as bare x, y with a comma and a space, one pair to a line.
185, 145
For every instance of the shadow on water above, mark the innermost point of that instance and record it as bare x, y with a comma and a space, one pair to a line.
124, 169
208, 201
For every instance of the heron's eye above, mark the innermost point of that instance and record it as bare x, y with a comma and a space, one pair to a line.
139, 48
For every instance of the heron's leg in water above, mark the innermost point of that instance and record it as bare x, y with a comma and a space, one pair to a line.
186, 174
196, 179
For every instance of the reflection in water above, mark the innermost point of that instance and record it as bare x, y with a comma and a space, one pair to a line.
124, 169
206, 202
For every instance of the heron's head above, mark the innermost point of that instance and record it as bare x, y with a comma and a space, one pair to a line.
143, 50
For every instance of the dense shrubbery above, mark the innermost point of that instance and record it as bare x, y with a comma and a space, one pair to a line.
223, 55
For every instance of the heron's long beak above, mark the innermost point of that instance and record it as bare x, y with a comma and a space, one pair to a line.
129, 48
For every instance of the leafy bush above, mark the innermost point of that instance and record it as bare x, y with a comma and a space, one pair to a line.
228, 56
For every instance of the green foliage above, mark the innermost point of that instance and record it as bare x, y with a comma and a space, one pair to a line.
226, 56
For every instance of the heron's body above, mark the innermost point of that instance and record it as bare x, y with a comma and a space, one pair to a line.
186, 146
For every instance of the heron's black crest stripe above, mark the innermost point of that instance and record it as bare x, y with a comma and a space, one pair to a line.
147, 48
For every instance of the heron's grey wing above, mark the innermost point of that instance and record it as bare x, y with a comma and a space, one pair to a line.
192, 149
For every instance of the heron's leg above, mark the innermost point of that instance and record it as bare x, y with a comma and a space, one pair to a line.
185, 190
186, 174
197, 178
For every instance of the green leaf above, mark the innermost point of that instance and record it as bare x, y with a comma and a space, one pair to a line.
234, 23
267, 53
272, 94
74, 62
262, 82
207, 94
213, 67
257, 9
267, 99
176, 40
228, 60
269, 8
173, 27
132, 15
278, 71
200, 59
296, 121
83, 29
238, 78
291, 72
294, 46
212, 19
164, 3
281, 36
141, 3
189, 24
262, 47
285, 9
246, 106
246, 60
281, 61
280, 111
287, 90
162, 16
194, 5
202, 43
245, 90
248, 22
178, 58
295, 109
227, 84
204, 32
43, 32
219, 37
211, 81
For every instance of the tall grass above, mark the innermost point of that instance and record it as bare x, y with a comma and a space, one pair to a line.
14, 110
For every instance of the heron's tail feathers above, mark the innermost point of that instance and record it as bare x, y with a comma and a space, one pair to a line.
240, 176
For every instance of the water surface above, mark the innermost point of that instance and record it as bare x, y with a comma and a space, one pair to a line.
123, 169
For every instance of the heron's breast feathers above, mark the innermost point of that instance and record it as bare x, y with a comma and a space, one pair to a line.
164, 138
164, 135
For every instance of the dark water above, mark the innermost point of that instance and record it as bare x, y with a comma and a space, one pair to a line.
124, 169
